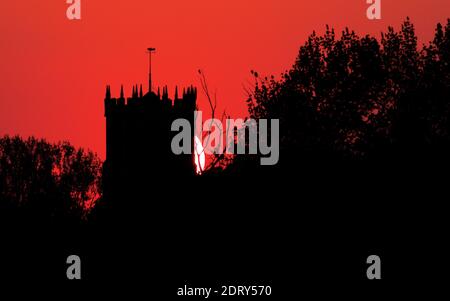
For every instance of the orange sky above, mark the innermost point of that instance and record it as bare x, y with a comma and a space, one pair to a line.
54, 71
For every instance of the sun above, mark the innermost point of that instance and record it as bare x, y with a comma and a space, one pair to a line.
199, 155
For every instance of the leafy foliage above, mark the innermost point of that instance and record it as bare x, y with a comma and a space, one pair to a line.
357, 98
48, 180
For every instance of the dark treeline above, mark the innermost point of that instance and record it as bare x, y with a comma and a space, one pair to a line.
45, 181
360, 99
350, 100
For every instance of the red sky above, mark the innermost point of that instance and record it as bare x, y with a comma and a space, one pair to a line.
54, 71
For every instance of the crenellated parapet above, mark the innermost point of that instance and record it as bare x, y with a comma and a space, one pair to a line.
159, 103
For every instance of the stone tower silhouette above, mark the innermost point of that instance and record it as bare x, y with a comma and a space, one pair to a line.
138, 140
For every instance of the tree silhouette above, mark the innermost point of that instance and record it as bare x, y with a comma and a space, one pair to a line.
47, 181
356, 98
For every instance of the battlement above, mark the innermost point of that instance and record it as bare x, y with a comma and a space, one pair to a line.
157, 103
